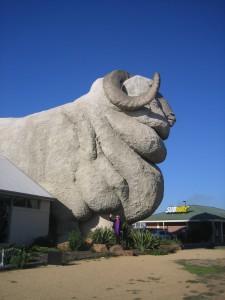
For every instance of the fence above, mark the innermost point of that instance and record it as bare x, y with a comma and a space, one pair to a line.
2, 256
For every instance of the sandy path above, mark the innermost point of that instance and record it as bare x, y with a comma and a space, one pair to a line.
142, 277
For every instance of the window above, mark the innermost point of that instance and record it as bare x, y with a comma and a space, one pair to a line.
19, 202
5, 205
26, 202
33, 203
5, 201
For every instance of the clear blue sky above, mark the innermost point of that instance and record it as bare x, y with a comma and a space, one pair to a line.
51, 52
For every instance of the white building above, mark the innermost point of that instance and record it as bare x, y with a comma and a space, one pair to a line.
24, 206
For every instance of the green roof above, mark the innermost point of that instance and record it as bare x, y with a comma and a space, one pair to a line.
194, 213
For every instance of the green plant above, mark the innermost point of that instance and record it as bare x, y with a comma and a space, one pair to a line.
43, 249
157, 251
170, 242
126, 240
144, 240
44, 241
75, 240
103, 235
9, 252
20, 259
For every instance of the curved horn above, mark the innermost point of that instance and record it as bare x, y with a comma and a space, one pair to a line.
112, 85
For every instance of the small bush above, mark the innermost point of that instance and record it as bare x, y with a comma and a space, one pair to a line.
15, 256
75, 240
157, 252
9, 252
20, 259
170, 242
44, 241
103, 235
144, 240
43, 249
126, 239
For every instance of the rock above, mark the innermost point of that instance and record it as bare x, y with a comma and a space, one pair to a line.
118, 250
128, 252
63, 246
89, 241
100, 248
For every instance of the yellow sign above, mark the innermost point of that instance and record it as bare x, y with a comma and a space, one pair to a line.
177, 209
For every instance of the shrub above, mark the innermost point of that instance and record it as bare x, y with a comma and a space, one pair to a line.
20, 259
144, 240
103, 235
75, 240
126, 239
158, 252
43, 249
170, 242
16, 256
8, 253
44, 241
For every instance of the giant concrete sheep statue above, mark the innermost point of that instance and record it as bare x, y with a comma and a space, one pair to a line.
98, 154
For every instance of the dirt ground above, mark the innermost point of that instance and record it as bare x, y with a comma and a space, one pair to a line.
131, 277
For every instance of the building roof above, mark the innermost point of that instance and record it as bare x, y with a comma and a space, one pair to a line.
194, 213
13, 180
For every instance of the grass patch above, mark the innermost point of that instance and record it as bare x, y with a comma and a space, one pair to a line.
201, 270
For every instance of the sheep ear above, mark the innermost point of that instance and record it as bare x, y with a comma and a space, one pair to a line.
169, 114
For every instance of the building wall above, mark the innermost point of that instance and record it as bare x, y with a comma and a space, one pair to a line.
171, 227
26, 224
174, 229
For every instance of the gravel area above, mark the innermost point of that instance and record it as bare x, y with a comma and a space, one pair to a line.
126, 277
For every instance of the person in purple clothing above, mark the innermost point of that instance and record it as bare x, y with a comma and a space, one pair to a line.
117, 226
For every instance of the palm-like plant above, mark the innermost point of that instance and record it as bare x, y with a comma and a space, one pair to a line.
144, 240
103, 235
